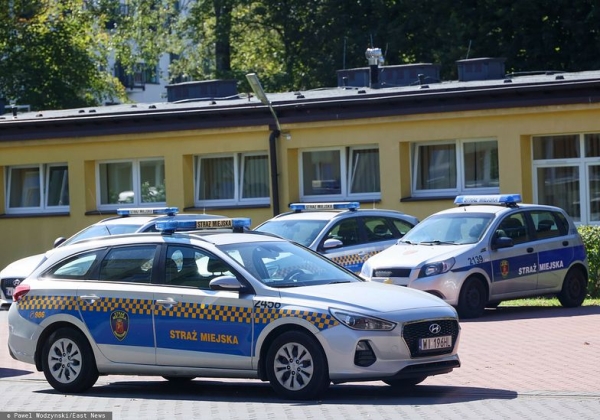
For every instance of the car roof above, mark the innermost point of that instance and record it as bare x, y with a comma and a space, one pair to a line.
332, 214
498, 209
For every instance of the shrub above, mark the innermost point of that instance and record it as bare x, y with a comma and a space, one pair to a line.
591, 239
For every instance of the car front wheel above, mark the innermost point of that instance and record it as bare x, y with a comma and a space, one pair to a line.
472, 299
297, 367
574, 289
68, 361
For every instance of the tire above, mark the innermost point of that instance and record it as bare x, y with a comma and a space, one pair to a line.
405, 383
68, 361
472, 299
296, 366
574, 289
179, 379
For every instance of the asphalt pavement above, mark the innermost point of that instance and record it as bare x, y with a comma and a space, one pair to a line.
517, 363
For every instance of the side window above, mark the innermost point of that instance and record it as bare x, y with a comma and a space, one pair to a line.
546, 225
128, 264
378, 229
187, 266
78, 267
402, 226
346, 231
514, 226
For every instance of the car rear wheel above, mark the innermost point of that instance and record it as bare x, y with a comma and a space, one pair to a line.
574, 289
472, 299
68, 361
296, 366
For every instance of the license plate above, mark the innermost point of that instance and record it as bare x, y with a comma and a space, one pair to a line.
9, 291
435, 343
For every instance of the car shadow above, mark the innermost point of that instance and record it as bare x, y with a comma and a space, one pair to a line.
507, 313
261, 392
9, 373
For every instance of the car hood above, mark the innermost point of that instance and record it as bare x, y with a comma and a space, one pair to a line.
22, 268
405, 255
365, 296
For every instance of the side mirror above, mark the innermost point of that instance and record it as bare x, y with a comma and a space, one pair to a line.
502, 242
228, 283
332, 243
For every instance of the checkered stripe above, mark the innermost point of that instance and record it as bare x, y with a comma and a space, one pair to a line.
319, 320
35, 303
133, 306
207, 312
350, 259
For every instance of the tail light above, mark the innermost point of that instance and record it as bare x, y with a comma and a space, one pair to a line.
20, 291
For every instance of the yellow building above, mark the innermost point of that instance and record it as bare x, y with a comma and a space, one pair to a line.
411, 148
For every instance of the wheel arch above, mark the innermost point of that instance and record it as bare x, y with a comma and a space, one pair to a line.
46, 334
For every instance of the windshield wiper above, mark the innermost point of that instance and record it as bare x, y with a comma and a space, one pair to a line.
438, 242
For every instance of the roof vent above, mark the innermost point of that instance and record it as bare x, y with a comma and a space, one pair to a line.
375, 59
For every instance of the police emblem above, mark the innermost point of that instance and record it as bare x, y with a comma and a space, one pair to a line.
119, 323
504, 268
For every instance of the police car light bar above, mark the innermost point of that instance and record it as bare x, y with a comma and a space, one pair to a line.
147, 211
298, 207
236, 224
497, 199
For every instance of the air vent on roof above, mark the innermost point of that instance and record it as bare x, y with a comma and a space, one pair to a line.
390, 76
480, 69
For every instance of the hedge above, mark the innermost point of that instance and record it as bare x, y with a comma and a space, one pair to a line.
591, 239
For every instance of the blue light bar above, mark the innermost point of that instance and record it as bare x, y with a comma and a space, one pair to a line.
237, 223
351, 205
503, 199
147, 211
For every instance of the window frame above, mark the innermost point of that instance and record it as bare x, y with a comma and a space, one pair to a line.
136, 180
239, 164
346, 156
43, 185
460, 169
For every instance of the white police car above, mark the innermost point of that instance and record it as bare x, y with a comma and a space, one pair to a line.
128, 220
342, 232
245, 305
486, 250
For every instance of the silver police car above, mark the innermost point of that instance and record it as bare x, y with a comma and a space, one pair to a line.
488, 249
343, 231
236, 305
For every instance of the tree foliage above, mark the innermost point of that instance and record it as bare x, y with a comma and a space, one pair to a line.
56, 54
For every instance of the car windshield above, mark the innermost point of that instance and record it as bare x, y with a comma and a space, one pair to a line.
302, 231
450, 228
284, 264
96, 231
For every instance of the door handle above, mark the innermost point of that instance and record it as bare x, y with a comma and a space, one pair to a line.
530, 250
167, 303
565, 243
89, 299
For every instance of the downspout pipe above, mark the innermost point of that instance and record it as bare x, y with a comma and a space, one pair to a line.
274, 174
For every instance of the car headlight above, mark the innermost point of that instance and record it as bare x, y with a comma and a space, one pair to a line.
362, 322
433, 269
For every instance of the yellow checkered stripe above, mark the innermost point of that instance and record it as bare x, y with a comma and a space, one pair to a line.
205, 312
47, 303
133, 306
319, 320
350, 259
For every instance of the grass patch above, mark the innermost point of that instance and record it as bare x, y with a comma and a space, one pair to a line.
540, 301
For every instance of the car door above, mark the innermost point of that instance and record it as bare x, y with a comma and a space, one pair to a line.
352, 252
116, 304
515, 268
196, 326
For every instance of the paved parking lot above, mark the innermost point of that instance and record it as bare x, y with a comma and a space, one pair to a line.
516, 363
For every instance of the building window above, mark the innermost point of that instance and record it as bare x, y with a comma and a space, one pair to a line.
135, 182
567, 174
340, 174
227, 180
451, 168
37, 188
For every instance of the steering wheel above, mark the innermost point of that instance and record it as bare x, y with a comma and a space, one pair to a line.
293, 275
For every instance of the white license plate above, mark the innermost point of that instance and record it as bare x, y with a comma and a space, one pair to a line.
9, 291
435, 343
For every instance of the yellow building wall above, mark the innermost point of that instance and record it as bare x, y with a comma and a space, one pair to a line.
512, 128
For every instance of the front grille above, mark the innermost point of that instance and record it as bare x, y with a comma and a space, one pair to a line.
392, 272
413, 332
10, 282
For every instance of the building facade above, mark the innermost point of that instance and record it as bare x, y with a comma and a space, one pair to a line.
411, 148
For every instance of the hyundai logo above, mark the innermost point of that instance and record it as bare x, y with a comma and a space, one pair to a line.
435, 328
16, 282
